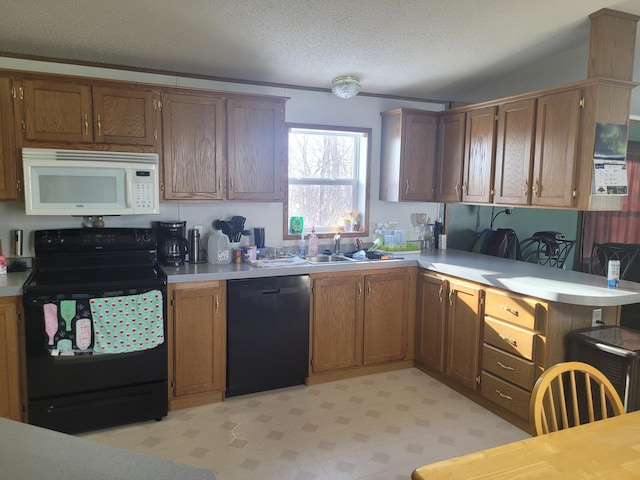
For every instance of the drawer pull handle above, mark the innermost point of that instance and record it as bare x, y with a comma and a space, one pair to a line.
512, 341
513, 311
504, 395
506, 367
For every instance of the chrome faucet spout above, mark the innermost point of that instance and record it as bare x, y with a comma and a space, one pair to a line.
336, 243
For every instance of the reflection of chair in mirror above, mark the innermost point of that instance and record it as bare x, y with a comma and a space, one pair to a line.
601, 253
569, 394
547, 248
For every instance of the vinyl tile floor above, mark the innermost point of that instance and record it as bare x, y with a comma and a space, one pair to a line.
376, 427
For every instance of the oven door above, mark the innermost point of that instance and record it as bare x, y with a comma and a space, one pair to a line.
76, 369
80, 391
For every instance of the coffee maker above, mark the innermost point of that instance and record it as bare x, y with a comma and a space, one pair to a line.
172, 243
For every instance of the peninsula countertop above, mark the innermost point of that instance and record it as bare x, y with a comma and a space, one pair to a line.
546, 283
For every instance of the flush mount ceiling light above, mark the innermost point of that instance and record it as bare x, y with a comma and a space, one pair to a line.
346, 86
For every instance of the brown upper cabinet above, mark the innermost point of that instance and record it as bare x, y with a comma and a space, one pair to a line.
193, 137
9, 184
556, 149
534, 149
514, 152
408, 169
479, 150
256, 156
77, 112
450, 157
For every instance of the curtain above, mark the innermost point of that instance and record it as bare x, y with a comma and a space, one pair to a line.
619, 227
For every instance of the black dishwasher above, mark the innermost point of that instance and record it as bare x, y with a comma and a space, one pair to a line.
267, 333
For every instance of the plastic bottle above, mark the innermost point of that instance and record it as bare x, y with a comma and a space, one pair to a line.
302, 247
313, 242
218, 249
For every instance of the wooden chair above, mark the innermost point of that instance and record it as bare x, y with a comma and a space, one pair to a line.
570, 394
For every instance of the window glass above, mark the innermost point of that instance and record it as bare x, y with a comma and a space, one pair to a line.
328, 178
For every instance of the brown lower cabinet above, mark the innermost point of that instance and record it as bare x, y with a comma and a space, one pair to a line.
360, 320
10, 377
448, 325
493, 344
197, 337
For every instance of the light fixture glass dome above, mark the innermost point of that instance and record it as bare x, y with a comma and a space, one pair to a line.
346, 86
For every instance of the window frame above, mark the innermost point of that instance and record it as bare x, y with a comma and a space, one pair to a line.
364, 182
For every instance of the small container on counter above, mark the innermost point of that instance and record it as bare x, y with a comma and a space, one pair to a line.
613, 273
250, 253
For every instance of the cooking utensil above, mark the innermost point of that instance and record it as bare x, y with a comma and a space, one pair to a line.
67, 312
64, 345
83, 333
51, 320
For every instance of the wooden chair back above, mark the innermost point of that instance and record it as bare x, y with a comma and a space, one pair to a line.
570, 394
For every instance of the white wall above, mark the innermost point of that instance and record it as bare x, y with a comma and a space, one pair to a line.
303, 107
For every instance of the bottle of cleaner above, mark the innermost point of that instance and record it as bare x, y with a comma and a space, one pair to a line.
313, 242
218, 249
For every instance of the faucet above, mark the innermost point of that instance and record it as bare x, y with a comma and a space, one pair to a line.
336, 243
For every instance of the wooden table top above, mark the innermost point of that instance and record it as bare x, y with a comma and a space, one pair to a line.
606, 449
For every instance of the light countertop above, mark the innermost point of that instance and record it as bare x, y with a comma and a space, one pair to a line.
543, 282
33, 453
546, 283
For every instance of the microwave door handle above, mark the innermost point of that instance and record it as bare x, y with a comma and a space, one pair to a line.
129, 189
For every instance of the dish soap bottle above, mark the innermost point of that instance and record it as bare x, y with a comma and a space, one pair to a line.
313, 242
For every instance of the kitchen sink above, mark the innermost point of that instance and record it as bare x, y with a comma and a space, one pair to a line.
328, 259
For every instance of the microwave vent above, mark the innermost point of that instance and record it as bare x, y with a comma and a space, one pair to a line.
88, 155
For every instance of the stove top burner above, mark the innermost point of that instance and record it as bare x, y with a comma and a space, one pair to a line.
75, 260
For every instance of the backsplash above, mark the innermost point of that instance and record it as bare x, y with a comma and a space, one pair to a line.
268, 215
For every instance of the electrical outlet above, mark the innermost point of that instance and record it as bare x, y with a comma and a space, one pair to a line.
199, 228
596, 318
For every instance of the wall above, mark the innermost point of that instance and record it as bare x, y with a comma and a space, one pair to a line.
465, 221
303, 107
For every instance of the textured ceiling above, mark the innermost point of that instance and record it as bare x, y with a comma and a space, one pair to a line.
431, 49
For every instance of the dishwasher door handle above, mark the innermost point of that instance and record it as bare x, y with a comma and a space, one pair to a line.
273, 291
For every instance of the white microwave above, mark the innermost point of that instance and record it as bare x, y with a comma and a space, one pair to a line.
80, 182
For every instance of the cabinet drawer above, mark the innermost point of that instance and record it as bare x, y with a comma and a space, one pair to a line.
508, 337
505, 394
522, 311
516, 370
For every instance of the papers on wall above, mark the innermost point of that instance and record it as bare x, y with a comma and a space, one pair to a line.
609, 166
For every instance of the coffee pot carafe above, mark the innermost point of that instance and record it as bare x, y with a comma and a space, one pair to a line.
172, 244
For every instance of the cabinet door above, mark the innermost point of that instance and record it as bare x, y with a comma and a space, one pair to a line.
464, 322
556, 149
125, 116
8, 159
514, 152
408, 163
385, 317
478, 156
57, 111
256, 156
9, 361
336, 323
430, 321
193, 147
199, 331
450, 160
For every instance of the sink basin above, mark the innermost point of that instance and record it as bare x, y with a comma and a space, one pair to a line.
327, 259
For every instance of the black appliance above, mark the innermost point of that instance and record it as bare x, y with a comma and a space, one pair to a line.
267, 333
172, 243
72, 385
615, 351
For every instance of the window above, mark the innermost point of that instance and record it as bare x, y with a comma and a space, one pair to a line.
328, 179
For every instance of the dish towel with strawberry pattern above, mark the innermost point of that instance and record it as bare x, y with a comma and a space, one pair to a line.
127, 324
